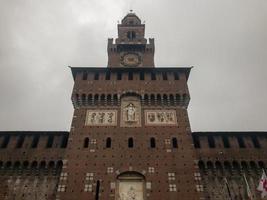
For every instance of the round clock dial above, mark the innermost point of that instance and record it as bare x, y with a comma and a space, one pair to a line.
130, 59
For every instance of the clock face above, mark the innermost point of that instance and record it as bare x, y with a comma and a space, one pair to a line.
130, 59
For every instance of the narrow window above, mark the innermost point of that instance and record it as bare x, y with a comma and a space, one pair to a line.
255, 142
130, 143
196, 142
174, 143
108, 142
5, 141
241, 142
211, 141
96, 76
142, 76
176, 76
20, 141
86, 143
226, 143
97, 190
50, 141
152, 143
164, 76
130, 76
35, 141
107, 75
119, 76
85, 75
64, 142
153, 76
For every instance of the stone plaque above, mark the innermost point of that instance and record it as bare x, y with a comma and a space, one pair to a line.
130, 112
131, 190
101, 118
160, 117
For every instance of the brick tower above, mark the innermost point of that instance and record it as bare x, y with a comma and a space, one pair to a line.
130, 136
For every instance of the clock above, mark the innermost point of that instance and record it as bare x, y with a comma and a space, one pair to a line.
130, 59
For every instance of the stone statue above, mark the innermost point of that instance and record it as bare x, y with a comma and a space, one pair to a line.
130, 113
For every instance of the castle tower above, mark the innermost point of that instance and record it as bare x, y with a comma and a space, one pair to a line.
130, 136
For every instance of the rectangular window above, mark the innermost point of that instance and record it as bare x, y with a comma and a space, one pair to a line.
211, 141
164, 76
196, 142
20, 141
119, 76
176, 76
35, 141
50, 141
85, 75
241, 142
255, 142
226, 143
5, 141
107, 75
153, 76
96, 77
130, 76
142, 76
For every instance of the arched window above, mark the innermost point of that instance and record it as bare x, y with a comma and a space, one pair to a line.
86, 143
131, 35
130, 143
152, 142
108, 142
174, 143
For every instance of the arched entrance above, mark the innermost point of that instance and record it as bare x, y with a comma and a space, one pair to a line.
130, 186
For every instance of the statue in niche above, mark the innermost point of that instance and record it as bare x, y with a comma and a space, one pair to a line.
130, 113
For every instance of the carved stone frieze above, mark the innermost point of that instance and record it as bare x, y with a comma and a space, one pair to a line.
101, 118
160, 117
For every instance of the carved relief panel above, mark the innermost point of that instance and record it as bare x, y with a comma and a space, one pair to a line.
130, 112
160, 117
101, 118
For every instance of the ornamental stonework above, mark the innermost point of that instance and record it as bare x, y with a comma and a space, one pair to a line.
130, 112
160, 117
101, 118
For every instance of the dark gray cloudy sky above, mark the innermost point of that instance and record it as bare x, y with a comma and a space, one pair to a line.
226, 41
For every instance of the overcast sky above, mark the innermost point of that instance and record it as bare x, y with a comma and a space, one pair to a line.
226, 41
